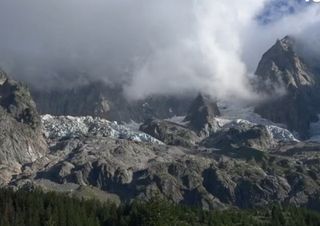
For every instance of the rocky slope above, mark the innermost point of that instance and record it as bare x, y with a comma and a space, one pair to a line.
21, 139
170, 133
210, 177
283, 72
93, 157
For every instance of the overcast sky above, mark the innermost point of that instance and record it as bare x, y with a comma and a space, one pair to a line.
150, 46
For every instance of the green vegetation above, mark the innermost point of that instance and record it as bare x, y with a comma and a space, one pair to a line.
35, 208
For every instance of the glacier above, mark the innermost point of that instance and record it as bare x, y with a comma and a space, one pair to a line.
64, 127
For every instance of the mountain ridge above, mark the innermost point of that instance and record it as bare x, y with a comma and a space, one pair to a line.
205, 159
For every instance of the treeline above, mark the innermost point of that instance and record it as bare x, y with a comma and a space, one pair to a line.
36, 208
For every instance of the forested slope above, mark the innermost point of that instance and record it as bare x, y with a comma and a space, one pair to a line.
48, 209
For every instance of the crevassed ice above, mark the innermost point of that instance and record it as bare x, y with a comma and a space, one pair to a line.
59, 127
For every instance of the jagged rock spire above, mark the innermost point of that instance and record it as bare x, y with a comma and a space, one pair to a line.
202, 113
281, 67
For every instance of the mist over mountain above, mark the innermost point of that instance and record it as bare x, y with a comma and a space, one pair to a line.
149, 47
206, 103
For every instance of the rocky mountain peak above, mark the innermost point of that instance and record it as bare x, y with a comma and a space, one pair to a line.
202, 113
284, 75
287, 43
281, 67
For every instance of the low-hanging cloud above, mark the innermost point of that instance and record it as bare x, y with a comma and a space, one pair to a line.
149, 46
209, 60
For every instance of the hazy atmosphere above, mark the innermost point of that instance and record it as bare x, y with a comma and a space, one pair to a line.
159, 112
149, 46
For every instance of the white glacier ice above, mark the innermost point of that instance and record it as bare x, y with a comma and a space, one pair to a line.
60, 127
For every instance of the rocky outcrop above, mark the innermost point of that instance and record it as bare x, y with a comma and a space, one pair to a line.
170, 133
199, 122
291, 85
240, 134
17, 101
256, 137
201, 115
21, 139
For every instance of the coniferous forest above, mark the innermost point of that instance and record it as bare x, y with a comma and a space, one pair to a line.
35, 208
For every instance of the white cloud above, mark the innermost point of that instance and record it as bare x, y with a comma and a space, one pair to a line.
208, 61
152, 46
303, 25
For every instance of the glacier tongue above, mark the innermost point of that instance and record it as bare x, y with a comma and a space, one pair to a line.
234, 111
281, 134
235, 115
61, 127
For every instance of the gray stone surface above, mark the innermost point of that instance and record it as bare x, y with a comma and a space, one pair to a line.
292, 86
21, 139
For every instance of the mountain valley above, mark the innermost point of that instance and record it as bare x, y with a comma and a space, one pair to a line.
197, 152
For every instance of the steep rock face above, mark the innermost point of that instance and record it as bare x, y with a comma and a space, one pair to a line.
201, 115
284, 73
21, 139
282, 66
99, 99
